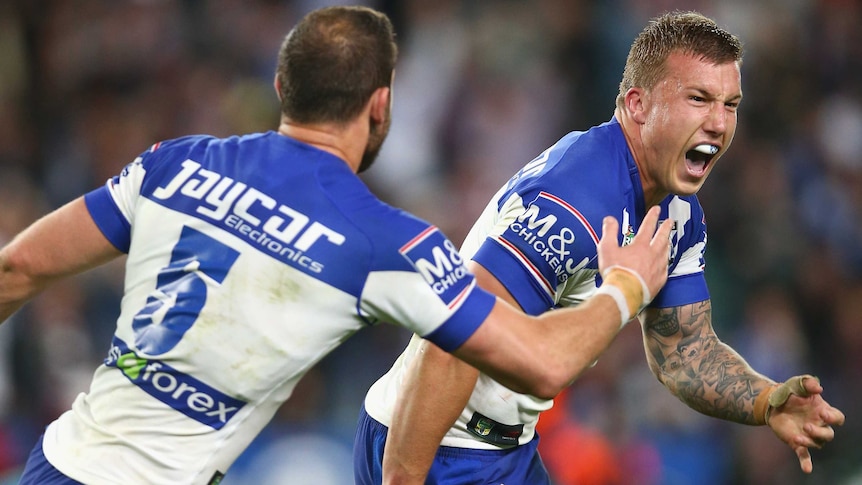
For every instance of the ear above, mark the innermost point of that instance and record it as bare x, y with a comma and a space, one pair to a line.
276, 83
634, 104
380, 104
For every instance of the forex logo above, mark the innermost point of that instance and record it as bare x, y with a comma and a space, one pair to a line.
180, 391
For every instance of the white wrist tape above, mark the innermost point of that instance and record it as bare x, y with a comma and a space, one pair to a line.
616, 293
647, 296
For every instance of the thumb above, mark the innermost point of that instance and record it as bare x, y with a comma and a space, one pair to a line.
608, 243
812, 385
610, 226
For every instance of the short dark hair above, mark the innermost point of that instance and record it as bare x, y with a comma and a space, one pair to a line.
331, 62
687, 32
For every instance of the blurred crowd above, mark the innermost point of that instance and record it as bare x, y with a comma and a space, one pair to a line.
482, 86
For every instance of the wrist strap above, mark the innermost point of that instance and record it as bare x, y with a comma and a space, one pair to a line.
776, 395
646, 296
617, 294
761, 405
628, 290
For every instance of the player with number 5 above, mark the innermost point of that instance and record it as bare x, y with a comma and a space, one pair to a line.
251, 257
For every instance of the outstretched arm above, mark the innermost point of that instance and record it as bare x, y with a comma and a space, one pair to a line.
685, 354
62, 243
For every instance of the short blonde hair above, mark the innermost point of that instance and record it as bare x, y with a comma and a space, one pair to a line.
687, 32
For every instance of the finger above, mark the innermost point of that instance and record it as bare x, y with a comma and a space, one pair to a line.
833, 417
812, 385
804, 459
649, 225
820, 434
662, 235
805, 441
610, 227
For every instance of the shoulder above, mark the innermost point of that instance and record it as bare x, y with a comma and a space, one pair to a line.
184, 143
685, 209
689, 228
397, 237
584, 174
200, 145
581, 162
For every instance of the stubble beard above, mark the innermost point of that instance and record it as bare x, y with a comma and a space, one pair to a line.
376, 137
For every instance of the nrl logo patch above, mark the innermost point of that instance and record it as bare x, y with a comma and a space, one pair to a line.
628, 235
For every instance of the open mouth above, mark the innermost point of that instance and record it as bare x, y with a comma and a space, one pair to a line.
698, 158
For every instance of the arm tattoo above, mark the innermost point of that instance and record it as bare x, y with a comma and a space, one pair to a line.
698, 368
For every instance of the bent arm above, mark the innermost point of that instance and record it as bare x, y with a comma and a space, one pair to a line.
687, 356
435, 392
62, 243
710, 377
542, 355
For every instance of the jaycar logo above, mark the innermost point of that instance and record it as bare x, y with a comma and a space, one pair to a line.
437, 260
254, 215
180, 391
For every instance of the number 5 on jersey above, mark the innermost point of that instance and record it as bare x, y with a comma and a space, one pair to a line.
197, 261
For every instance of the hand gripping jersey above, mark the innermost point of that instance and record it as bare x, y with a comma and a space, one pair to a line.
249, 259
538, 237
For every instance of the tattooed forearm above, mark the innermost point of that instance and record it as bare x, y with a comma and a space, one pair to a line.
666, 324
705, 373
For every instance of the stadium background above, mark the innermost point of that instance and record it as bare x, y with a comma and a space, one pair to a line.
482, 86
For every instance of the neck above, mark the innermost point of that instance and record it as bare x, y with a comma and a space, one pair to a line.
632, 132
346, 141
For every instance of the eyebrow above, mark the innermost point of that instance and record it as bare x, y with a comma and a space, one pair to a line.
708, 95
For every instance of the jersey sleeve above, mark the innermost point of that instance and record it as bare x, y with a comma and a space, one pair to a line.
686, 282
428, 289
112, 205
535, 247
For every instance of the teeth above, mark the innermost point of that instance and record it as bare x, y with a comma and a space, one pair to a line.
707, 149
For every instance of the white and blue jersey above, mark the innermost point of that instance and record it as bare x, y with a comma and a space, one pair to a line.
249, 259
538, 236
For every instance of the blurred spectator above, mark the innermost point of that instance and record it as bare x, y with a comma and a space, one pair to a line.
574, 453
